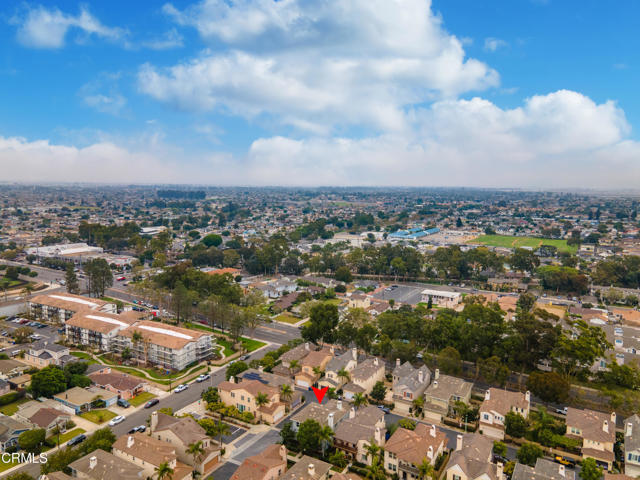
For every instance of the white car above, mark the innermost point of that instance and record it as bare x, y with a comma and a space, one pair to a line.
181, 388
203, 377
116, 420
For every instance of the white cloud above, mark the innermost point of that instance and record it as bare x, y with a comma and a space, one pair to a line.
41, 27
492, 44
171, 39
103, 95
318, 65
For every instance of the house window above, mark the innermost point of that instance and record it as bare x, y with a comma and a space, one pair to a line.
485, 416
456, 477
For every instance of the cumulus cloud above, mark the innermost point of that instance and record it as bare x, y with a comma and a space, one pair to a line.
317, 65
171, 39
41, 27
492, 44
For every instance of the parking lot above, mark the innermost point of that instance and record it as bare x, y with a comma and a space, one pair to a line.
401, 294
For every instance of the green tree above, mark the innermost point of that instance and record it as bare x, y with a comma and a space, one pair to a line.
418, 406
500, 448
379, 391
287, 435
528, 453
309, 436
359, 400
573, 355
323, 321
343, 274
325, 435
31, 441
195, 450
515, 425
99, 276
449, 361
494, 371
71, 280
524, 260
163, 471
426, 470
549, 386
212, 240
48, 381
343, 375
286, 392
526, 302
19, 476
590, 470
235, 369
261, 399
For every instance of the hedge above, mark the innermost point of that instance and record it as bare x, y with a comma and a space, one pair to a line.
10, 398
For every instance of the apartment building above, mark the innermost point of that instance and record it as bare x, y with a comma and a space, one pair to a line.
164, 345
60, 307
98, 329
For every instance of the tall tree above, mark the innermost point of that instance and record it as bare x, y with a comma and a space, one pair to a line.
71, 280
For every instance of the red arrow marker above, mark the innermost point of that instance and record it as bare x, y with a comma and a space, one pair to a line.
320, 392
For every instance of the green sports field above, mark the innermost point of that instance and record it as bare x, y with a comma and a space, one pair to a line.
533, 242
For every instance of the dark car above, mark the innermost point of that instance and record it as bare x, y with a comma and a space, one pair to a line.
123, 403
500, 459
151, 403
77, 439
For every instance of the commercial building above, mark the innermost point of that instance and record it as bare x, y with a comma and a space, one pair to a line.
441, 298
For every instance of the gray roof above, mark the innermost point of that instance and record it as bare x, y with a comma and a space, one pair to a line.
474, 458
362, 426
300, 471
406, 376
632, 442
544, 470
9, 425
366, 369
339, 362
107, 466
447, 387
320, 412
52, 347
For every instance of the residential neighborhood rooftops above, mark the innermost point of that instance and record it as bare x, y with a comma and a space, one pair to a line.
257, 466
544, 470
414, 445
307, 468
101, 465
596, 426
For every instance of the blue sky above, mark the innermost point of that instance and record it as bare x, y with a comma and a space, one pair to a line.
524, 93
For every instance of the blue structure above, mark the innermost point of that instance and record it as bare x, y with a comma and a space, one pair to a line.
413, 233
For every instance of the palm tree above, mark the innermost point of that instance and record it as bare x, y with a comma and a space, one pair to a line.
343, 375
318, 371
293, 365
375, 471
286, 392
425, 470
164, 471
221, 429
261, 399
359, 400
195, 450
325, 435
418, 407
372, 449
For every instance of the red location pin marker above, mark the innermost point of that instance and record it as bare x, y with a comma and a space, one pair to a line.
320, 392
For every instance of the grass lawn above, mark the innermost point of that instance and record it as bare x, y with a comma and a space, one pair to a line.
533, 242
64, 437
228, 347
6, 466
84, 356
98, 416
287, 318
249, 345
12, 408
143, 397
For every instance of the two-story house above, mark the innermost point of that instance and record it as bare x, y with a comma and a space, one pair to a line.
10, 430
597, 431
270, 464
181, 432
472, 459
360, 429
328, 413
497, 403
442, 395
543, 470
364, 377
311, 367
346, 362
406, 450
409, 383
148, 453
43, 353
287, 359
632, 446
244, 397
308, 468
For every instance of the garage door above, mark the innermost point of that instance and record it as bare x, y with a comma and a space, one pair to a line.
302, 383
210, 464
278, 415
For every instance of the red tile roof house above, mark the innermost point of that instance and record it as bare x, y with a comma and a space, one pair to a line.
407, 449
597, 431
269, 464
126, 386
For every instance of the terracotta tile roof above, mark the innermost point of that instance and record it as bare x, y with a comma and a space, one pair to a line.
119, 381
164, 335
253, 387
185, 428
146, 448
256, 467
412, 445
501, 401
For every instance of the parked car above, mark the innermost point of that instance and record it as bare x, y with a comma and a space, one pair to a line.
120, 279
202, 378
123, 403
384, 409
180, 388
562, 411
567, 462
139, 428
116, 420
244, 357
77, 439
151, 403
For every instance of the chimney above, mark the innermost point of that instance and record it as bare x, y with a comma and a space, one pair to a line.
283, 453
435, 384
527, 396
378, 436
311, 470
487, 395
613, 418
154, 421
260, 368
629, 430
232, 379
130, 441
339, 405
306, 346
397, 362
605, 426
437, 374
458, 442
375, 361
561, 470
93, 461
433, 431
352, 413
500, 470
354, 353
430, 452
330, 420
420, 376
